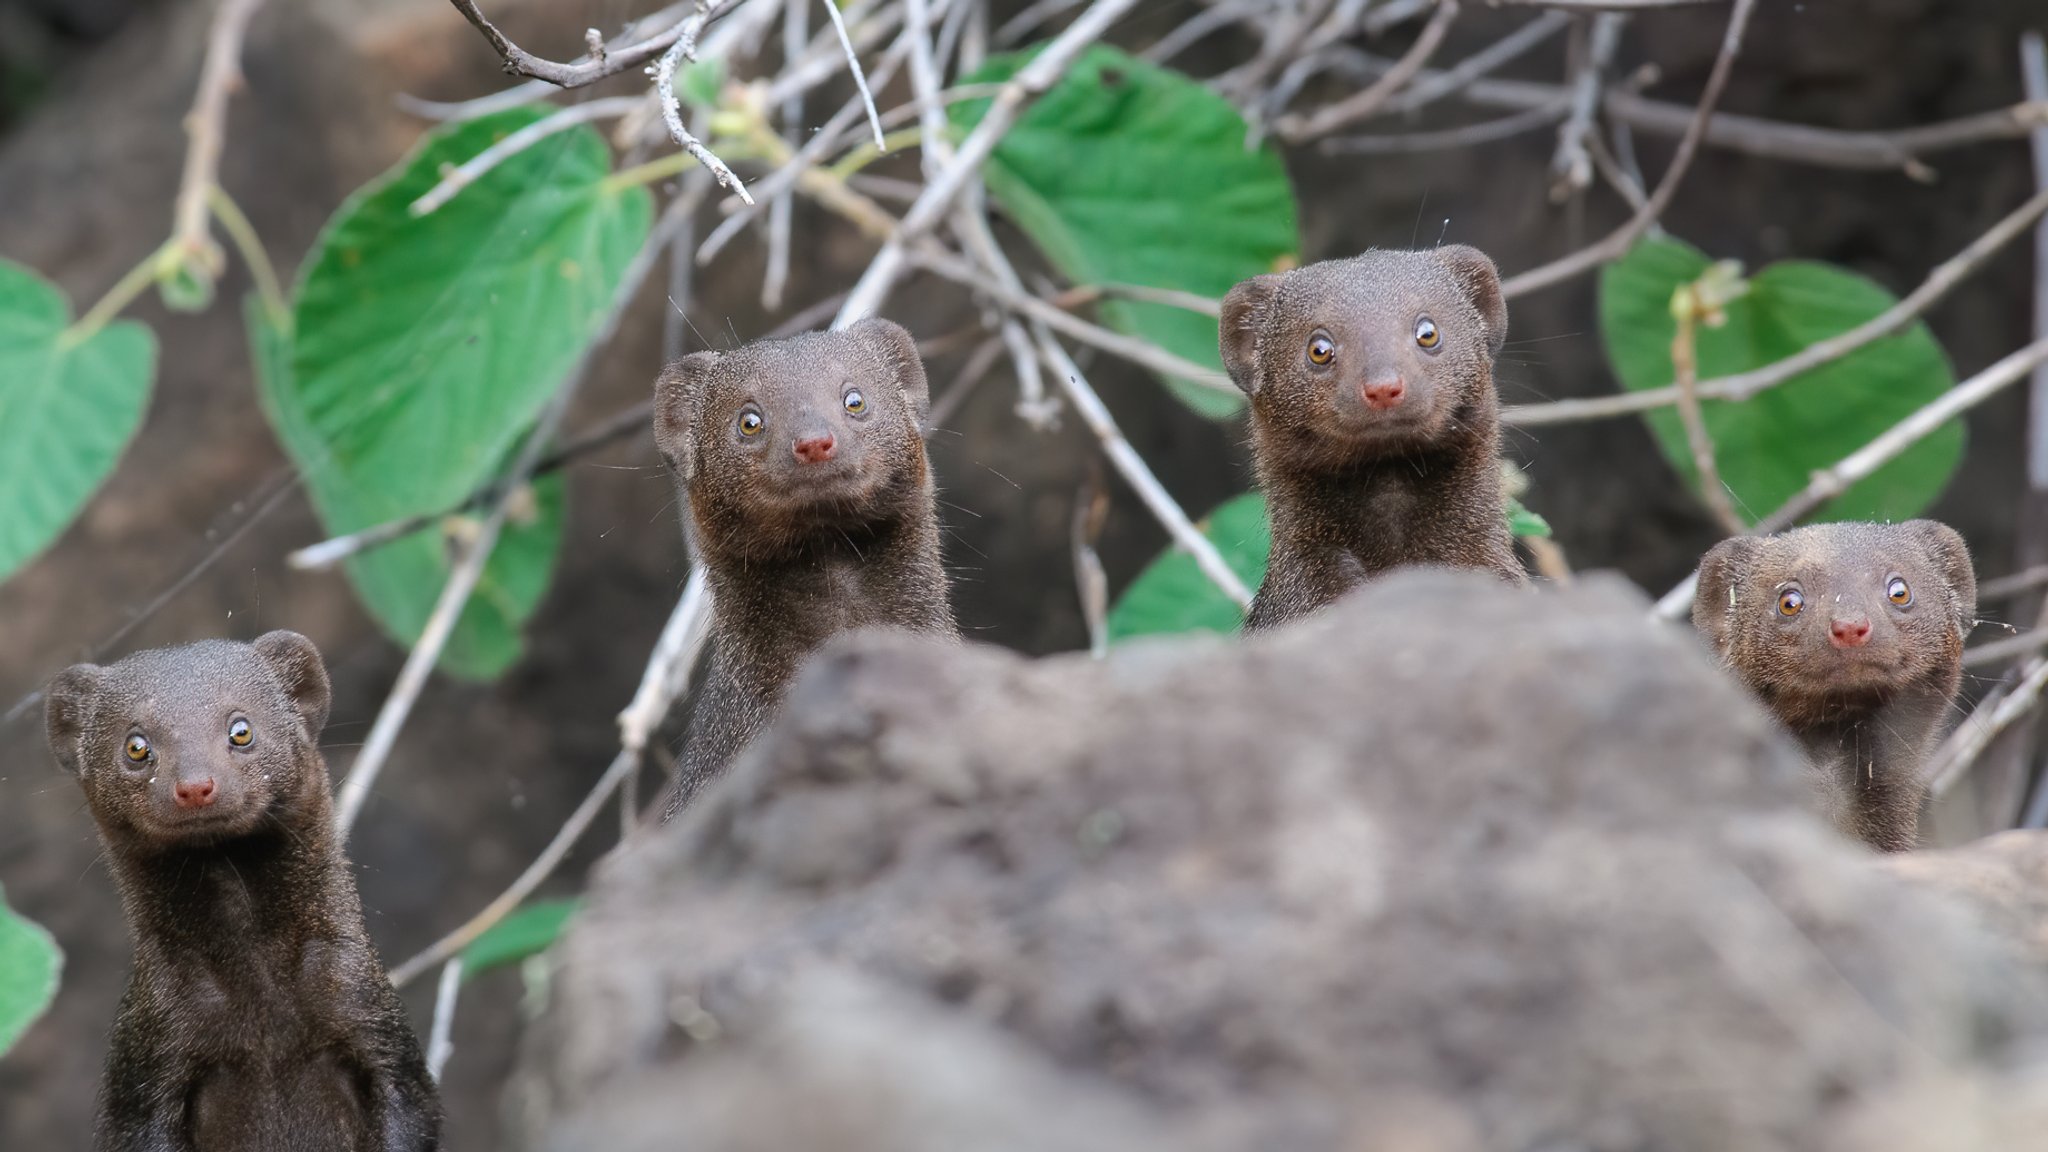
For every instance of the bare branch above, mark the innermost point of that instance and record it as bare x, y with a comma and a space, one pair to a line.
1617, 242
666, 675
1571, 169
473, 169
1743, 385
860, 79
1463, 136
1858, 465
1959, 752
671, 109
206, 125
616, 58
1139, 476
1685, 365
1434, 86
1041, 73
1297, 129
439, 1046
1140, 352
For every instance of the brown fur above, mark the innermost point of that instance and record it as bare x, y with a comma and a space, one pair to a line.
258, 1017
1354, 490
799, 551
1866, 715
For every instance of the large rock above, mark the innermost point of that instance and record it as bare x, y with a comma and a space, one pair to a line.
2002, 878
1450, 867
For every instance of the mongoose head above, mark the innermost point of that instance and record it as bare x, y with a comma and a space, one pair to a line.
779, 440
1835, 614
1351, 360
180, 747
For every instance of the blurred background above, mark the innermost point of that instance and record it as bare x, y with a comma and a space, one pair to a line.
92, 94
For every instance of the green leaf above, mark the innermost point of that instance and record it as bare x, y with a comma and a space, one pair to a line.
68, 408
426, 347
698, 85
1172, 595
400, 581
527, 932
1768, 446
1522, 522
1128, 173
30, 963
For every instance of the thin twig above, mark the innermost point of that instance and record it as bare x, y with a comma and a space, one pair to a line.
1743, 385
1139, 476
439, 1045
666, 674
1143, 353
1959, 752
1298, 129
786, 177
1685, 365
1999, 651
1829, 483
1041, 73
616, 58
1443, 139
671, 108
560, 120
1571, 168
1617, 243
2014, 584
206, 125
796, 29
1434, 86
860, 79
1091, 583
2034, 72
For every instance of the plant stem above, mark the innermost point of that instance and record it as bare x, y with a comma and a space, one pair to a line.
654, 171
244, 237
122, 294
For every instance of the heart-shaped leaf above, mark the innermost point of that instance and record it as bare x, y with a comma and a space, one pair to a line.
1767, 447
1128, 173
424, 348
400, 581
30, 964
68, 408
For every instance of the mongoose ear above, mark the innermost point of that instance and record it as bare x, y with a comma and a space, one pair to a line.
1951, 557
898, 349
1244, 314
1722, 571
676, 394
298, 666
1480, 281
65, 705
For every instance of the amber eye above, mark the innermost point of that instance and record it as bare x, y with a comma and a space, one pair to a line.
855, 402
1426, 333
1321, 351
138, 748
1896, 589
750, 423
1790, 602
239, 734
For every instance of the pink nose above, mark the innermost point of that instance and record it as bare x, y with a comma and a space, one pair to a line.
1854, 633
194, 793
1384, 393
815, 449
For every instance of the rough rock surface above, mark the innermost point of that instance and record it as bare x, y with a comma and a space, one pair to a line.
1449, 867
2003, 878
